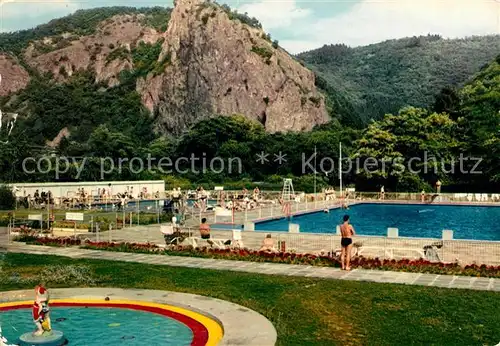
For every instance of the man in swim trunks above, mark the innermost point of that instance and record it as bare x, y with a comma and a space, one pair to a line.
347, 232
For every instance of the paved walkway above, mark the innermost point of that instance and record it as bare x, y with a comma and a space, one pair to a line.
448, 281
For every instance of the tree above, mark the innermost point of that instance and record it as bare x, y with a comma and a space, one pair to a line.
409, 149
7, 198
448, 101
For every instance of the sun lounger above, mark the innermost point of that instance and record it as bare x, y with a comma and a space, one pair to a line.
167, 231
237, 241
212, 242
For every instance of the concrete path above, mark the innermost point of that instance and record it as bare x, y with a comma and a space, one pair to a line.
434, 280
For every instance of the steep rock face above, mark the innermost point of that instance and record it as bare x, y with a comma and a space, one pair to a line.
107, 52
14, 76
221, 66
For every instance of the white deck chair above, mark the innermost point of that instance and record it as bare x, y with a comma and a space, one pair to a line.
237, 239
167, 230
478, 197
495, 197
469, 197
484, 197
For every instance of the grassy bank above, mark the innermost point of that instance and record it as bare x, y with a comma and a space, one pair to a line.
304, 311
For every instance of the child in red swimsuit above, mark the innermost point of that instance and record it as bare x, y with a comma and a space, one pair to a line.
40, 309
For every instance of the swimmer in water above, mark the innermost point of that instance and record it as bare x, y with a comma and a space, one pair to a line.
326, 211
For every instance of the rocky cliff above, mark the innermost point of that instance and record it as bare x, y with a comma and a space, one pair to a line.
208, 61
13, 76
106, 52
221, 66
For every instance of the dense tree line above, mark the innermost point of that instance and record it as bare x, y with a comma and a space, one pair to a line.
382, 78
113, 124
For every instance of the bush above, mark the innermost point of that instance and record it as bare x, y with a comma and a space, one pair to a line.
315, 100
7, 198
205, 17
275, 44
264, 52
70, 224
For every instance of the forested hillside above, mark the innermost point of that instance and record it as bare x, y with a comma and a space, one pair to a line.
456, 142
381, 78
81, 23
435, 100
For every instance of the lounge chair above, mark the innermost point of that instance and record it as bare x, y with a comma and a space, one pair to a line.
237, 241
431, 252
212, 242
168, 231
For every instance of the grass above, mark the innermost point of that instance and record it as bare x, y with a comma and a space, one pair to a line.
305, 311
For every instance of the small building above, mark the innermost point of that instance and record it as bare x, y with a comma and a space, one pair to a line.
60, 189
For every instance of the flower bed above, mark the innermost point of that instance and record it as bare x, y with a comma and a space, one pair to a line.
124, 247
48, 241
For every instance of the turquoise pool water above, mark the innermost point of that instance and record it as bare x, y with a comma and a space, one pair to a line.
102, 326
467, 222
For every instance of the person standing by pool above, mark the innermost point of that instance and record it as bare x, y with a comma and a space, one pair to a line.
347, 232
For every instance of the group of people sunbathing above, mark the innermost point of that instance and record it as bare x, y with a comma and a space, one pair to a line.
346, 242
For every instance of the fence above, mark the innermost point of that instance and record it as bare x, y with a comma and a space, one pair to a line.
434, 249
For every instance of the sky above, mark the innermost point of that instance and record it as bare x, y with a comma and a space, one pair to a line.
304, 25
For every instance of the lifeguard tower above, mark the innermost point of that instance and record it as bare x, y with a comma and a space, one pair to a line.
288, 194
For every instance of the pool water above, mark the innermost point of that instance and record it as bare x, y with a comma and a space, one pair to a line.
102, 326
467, 222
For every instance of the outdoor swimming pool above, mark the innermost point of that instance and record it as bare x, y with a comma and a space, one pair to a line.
428, 221
102, 326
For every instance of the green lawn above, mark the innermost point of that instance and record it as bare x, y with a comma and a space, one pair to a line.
304, 311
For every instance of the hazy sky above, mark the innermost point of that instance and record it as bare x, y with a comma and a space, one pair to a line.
303, 25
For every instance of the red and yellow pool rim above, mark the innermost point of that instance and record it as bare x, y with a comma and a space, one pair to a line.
206, 331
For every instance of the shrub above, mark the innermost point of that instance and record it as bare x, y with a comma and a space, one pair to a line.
275, 44
120, 53
70, 224
242, 17
63, 72
205, 17
7, 198
315, 100
264, 52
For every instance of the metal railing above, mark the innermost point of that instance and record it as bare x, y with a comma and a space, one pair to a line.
382, 247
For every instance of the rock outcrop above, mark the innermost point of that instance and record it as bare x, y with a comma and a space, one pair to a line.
219, 65
107, 52
14, 76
